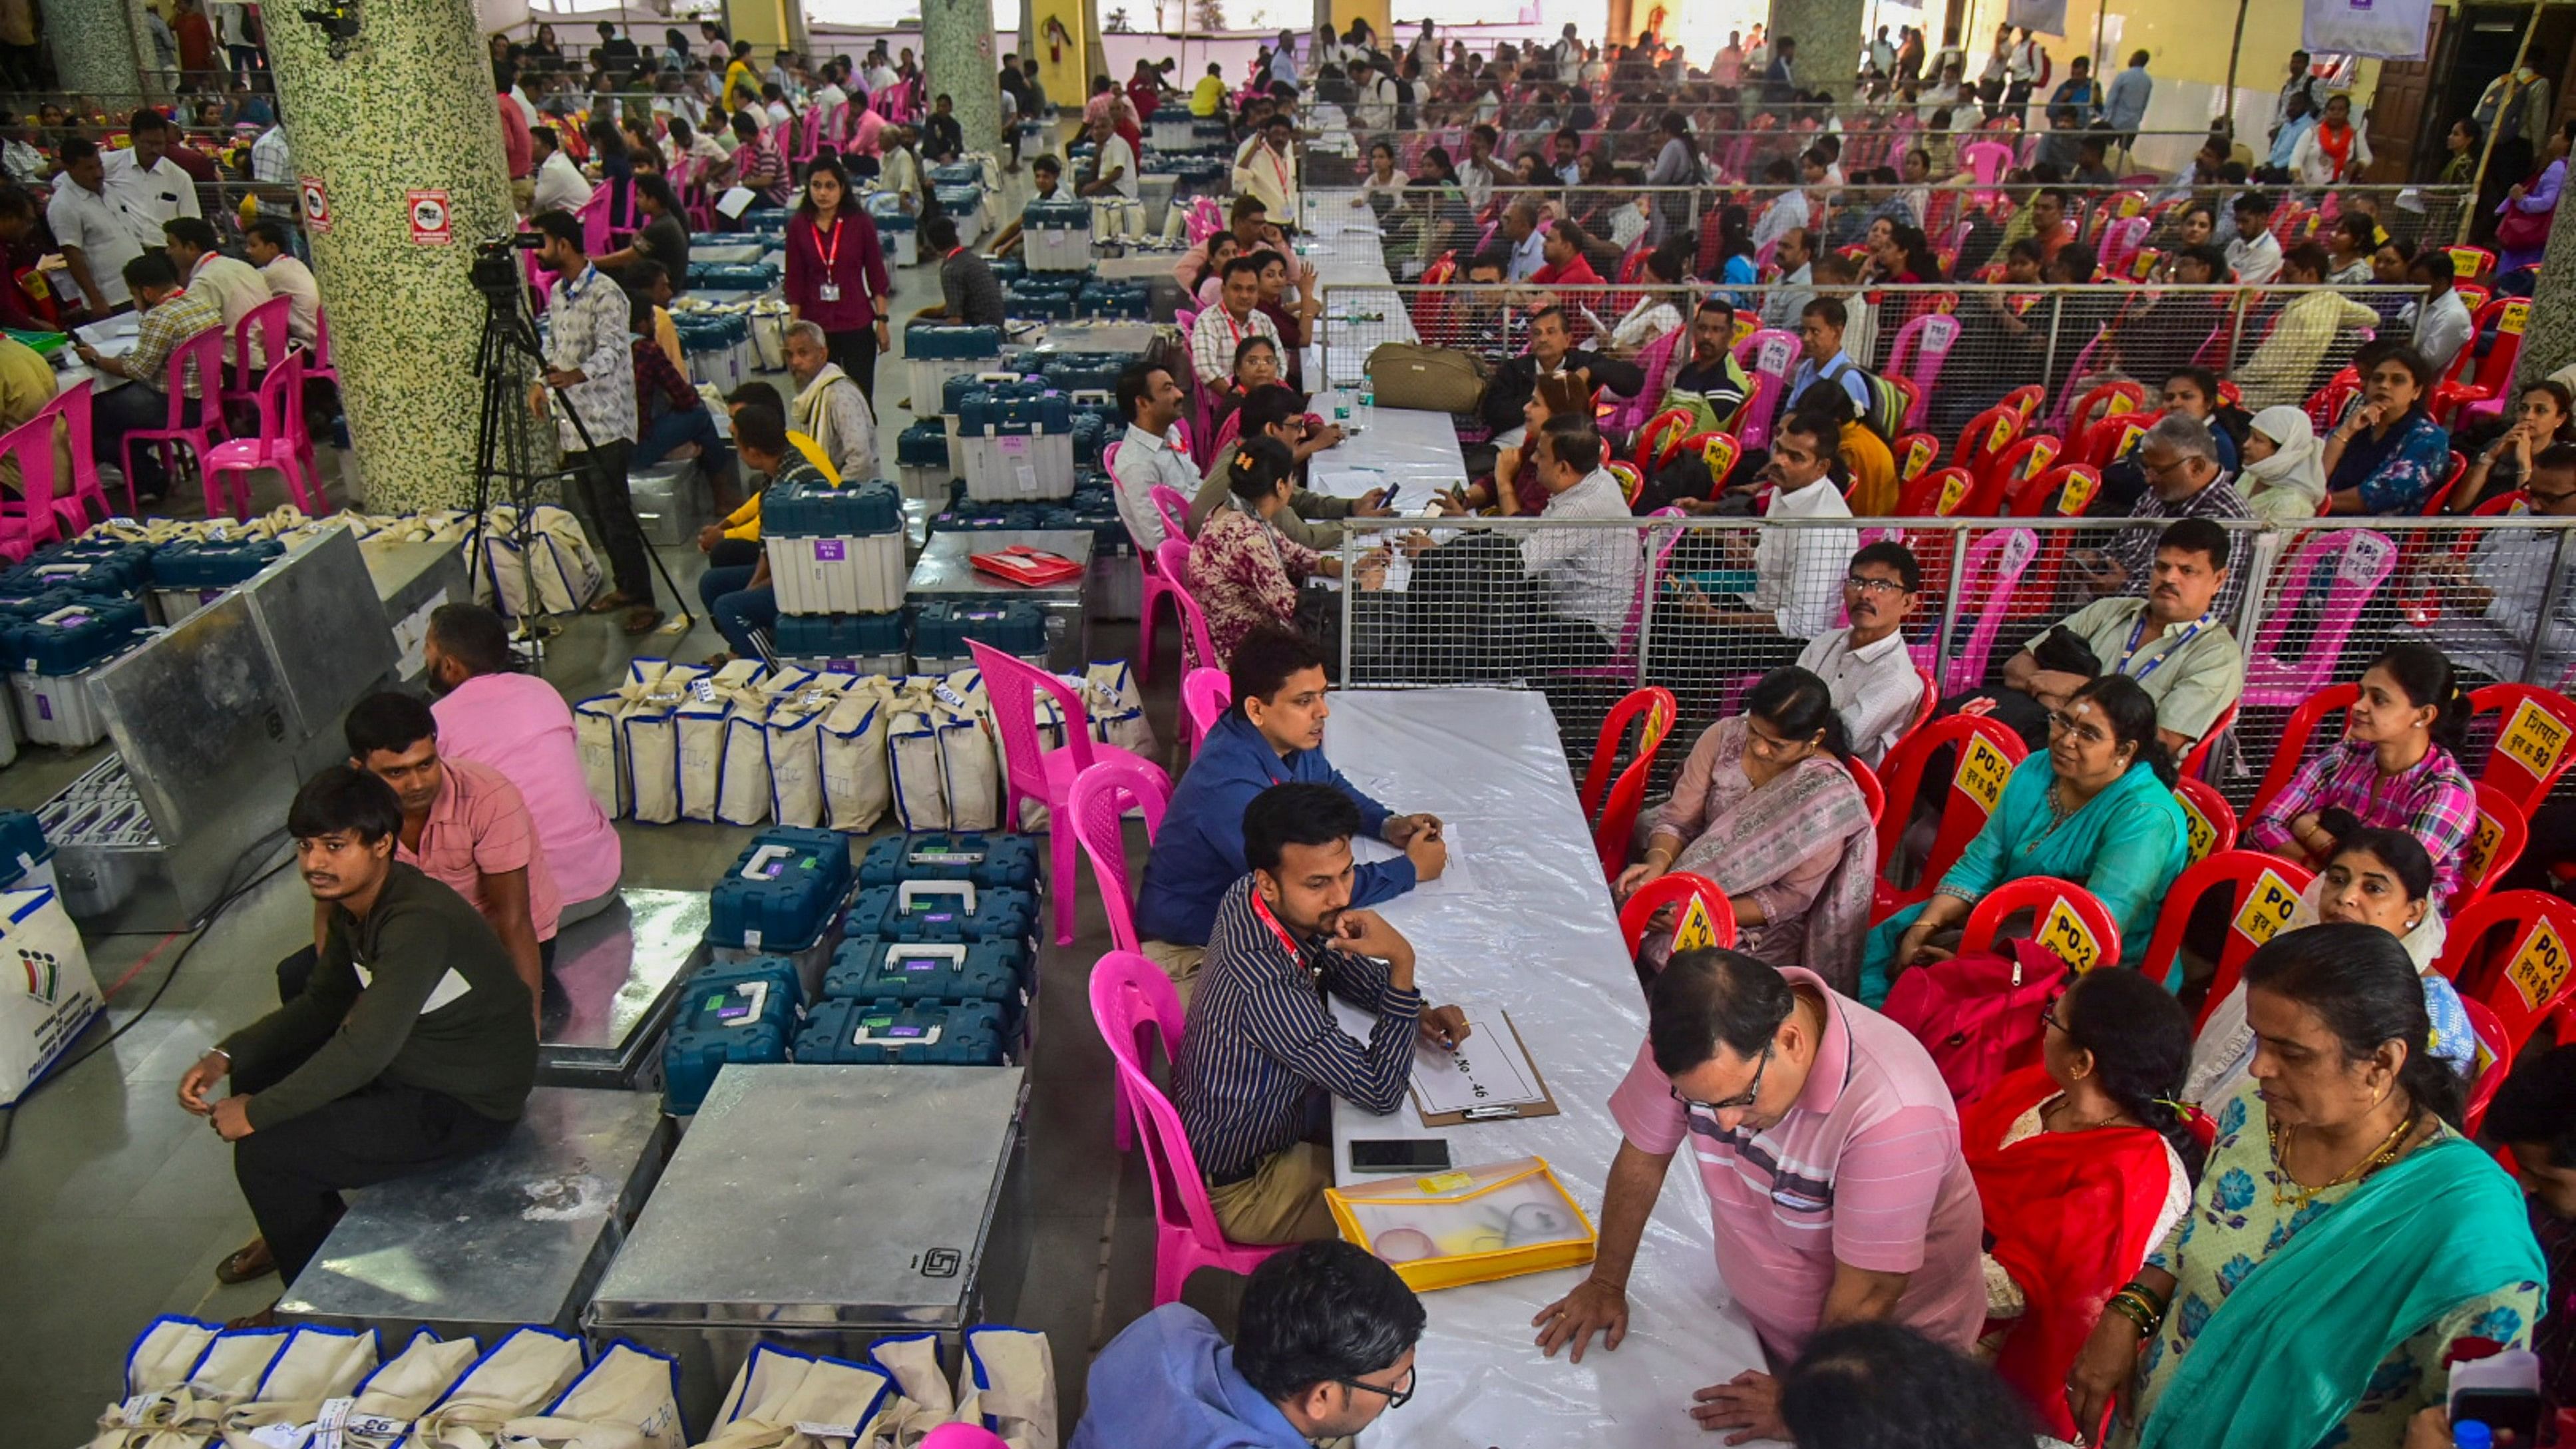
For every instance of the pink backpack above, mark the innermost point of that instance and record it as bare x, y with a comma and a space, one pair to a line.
1978, 1014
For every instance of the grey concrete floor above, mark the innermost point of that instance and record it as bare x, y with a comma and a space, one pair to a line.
118, 1205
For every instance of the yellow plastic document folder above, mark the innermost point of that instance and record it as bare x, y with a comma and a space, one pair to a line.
1470, 1225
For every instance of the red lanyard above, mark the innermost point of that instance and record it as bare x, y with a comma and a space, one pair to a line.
1261, 908
834, 255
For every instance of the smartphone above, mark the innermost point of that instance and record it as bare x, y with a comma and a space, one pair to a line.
2502, 1410
1399, 1154
1388, 501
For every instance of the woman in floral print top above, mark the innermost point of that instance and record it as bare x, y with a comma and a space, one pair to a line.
2343, 1239
1243, 571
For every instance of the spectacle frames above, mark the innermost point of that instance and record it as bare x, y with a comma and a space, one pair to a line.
1740, 1100
1859, 585
1396, 1398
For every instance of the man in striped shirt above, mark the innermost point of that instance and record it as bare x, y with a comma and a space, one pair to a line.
1262, 1055
1829, 1146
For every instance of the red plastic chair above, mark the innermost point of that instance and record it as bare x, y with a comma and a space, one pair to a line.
2502, 833
2292, 750
1045, 776
1941, 493
2494, 1062
2212, 822
28, 521
1673, 890
1100, 800
2263, 890
283, 443
1986, 437
2065, 917
1617, 816
259, 339
1915, 453
2525, 980
1987, 752
1206, 694
2108, 440
1198, 648
205, 354
1129, 996
2066, 490
2534, 733
1660, 437
1871, 790
2026, 459
2195, 761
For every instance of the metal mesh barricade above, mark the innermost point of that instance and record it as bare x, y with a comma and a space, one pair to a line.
1589, 609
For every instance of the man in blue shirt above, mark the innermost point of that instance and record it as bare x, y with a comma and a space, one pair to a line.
1273, 735
1323, 1346
2125, 110
1820, 337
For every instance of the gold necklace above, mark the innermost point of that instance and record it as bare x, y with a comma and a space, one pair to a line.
2380, 1156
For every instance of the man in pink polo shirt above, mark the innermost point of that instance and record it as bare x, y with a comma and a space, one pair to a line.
517, 724
465, 826
1830, 1150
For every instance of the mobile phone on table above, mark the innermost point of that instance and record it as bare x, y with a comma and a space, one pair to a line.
1399, 1154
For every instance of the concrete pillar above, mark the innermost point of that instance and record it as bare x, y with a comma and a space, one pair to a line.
1829, 34
96, 45
961, 61
408, 107
2549, 338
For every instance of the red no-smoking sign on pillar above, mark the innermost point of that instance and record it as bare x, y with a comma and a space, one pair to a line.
431, 224
317, 204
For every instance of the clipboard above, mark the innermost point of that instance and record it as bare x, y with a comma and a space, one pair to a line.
1545, 1106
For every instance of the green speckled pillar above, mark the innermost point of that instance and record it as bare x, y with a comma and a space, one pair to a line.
963, 63
410, 107
2549, 343
95, 45
1829, 34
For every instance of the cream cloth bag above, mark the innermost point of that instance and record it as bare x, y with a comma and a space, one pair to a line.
919, 771
522, 1374
701, 722
627, 1400
156, 1372
383, 1409
317, 1364
650, 728
1117, 708
1008, 1386
785, 1400
558, 556
922, 1399
601, 741
857, 785
794, 742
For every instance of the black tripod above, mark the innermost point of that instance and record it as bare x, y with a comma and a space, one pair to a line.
507, 459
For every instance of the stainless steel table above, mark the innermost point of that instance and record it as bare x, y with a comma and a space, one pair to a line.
823, 1207
1532, 933
517, 1235
622, 970
946, 572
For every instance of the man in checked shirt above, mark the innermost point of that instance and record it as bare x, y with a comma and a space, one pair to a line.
1262, 1057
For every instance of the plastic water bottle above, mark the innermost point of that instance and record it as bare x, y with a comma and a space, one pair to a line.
1368, 407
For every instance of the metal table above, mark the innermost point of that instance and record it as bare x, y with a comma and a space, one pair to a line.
945, 572
1487, 762
823, 1207
622, 969
513, 1236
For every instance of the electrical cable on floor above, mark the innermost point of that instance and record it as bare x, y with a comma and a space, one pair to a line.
9, 1114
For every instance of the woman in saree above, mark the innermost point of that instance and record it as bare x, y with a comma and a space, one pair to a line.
2097, 809
1766, 807
2377, 877
2344, 1236
2082, 1164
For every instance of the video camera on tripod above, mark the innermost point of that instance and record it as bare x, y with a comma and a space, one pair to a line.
495, 273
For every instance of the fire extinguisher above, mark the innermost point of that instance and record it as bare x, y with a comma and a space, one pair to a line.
1057, 38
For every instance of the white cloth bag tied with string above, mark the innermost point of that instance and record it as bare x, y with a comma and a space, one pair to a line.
522, 1374
381, 1413
785, 1400
317, 1365
627, 1400
650, 728
795, 744
700, 723
858, 784
156, 1372
922, 1400
1007, 1384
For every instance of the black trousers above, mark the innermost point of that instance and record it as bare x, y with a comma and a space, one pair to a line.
599, 477
856, 352
734, 553
293, 1172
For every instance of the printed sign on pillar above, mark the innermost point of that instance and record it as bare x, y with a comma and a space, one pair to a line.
317, 204
431, 223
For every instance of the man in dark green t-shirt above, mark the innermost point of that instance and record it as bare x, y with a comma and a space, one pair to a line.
412, 1046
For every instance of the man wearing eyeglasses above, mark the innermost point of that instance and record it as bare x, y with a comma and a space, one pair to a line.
2179, 458
1865, 663
1830, 1150
1323, 1347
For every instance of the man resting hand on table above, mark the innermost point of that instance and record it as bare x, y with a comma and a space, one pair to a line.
1829, 1146
1274, 733
1262, 1057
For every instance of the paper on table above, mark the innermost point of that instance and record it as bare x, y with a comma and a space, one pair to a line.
115, 336
1488, 1069
1456, 878
735, 202
1346, 482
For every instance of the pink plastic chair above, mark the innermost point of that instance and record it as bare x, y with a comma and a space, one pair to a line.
1101, 797
1987, 161
1922, 345
1656, 359
283, 443
1622, 664
206, 352
72, 405
1130, 994
322, 364
1157, 590
963, 1436
28, 520
2121, 241
1174, 510
1038, 773
258, 339
2362, 561
808, 136
1206, 694
1769, 356
1198, 647
1994, 568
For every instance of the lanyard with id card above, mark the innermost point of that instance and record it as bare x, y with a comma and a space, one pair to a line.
829, 289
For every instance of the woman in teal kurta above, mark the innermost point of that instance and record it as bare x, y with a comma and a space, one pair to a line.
2098, 809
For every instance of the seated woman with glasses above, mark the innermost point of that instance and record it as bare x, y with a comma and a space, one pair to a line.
2083, 1163
1766, 808
2097, 809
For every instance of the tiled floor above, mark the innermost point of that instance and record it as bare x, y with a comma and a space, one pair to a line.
119, 1205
